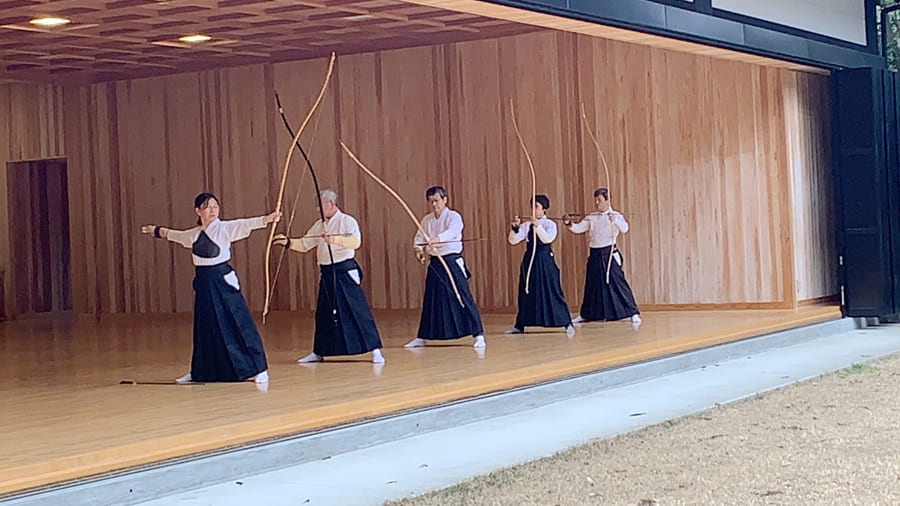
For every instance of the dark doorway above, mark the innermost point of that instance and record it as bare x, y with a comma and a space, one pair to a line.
38, 201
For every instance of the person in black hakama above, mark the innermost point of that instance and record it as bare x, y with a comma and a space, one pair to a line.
602, 300
443, 317
543, 304
344, 322
227, 346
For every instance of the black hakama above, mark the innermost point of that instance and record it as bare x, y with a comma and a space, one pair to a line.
603, 301
544, 305
227, 346
351, 330
442, 315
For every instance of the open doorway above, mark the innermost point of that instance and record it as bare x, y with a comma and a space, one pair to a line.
38, 206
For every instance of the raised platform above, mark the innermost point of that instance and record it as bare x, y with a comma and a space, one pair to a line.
66, 416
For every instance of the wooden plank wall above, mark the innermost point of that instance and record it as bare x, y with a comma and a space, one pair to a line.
808, 132
696, 147
153, 144
31, 128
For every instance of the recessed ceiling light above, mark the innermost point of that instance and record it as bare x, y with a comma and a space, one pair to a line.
49, 21
195, 38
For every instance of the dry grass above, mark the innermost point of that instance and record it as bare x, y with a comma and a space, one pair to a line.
831, 440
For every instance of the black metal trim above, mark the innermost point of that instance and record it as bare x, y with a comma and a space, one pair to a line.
836, 168
792, 30
685, 21
872, 26
705, 7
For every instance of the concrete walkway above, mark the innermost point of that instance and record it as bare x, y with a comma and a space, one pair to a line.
437, 459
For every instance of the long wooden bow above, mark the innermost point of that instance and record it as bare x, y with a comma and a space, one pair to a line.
312, 171
296, 200
612, 229
287, 164
512, 112
412, 216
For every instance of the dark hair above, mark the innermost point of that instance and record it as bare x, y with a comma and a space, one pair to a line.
602, 191
201, 200
439, 190
543, 201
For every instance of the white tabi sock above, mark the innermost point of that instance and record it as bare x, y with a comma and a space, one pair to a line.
312, 357
415, 343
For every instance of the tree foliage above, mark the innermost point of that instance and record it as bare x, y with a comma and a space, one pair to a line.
892, 29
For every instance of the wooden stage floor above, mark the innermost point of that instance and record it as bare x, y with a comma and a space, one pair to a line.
65, 414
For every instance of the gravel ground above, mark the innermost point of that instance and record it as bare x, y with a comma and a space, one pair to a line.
830, 440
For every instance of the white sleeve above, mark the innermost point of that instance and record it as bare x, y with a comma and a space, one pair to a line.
419, 238
620, 223
581, 227
517, 237
304, 244
454, 229
182, 237
546, 231
236, 230
348, 226
351, 226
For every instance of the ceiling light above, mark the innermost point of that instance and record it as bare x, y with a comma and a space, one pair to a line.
195, 38
49, 21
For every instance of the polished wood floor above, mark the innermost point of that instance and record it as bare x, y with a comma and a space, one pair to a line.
65, 413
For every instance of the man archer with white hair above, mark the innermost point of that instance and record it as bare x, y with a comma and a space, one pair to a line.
344, 322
